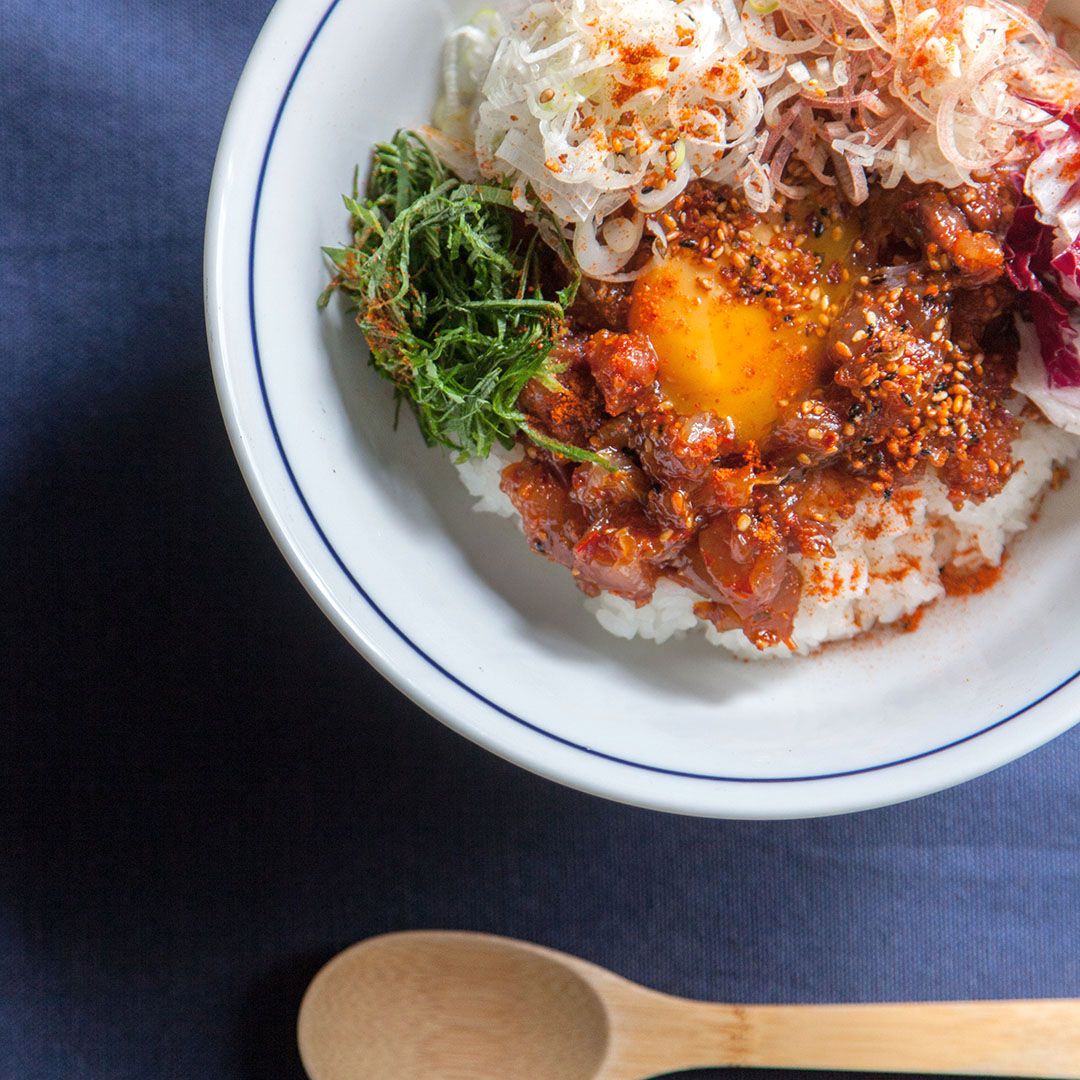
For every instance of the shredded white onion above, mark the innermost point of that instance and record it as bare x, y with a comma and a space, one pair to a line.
622, 235
586, 106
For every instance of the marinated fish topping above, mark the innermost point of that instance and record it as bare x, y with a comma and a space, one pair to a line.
774, 370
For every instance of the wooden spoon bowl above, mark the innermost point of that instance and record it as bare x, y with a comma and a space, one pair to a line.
446, 1005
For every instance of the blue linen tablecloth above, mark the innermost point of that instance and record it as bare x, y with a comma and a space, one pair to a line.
206, 793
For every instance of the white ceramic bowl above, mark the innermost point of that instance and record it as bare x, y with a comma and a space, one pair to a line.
454, 609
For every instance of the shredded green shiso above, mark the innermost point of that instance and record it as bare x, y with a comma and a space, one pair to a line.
449, 299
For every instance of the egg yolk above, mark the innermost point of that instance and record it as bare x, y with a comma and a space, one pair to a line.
730, 354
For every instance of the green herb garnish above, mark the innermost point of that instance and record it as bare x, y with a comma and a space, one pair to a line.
448, 296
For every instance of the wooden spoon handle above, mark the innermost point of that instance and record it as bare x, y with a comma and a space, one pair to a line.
982, 1038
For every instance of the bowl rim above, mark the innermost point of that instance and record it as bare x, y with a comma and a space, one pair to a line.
248, 138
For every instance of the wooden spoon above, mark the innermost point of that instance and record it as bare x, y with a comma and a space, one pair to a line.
444, 1005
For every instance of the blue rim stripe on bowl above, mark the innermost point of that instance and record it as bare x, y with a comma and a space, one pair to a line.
412, 644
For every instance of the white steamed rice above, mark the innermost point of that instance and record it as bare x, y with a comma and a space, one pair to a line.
888, 554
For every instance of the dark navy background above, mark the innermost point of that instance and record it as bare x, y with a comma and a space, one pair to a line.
205, 792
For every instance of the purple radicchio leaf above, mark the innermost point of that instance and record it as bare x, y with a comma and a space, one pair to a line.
1048, 372
1028, 248
1052, 181
1057, 340
1051, 287
1067, 268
